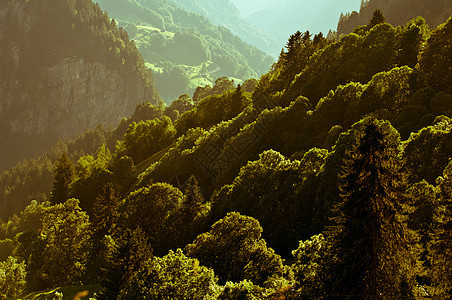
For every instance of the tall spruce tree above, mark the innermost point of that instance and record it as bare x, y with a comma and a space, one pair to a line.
370, 234
64, 175
104, 220
127, 256
105, 212
377, 18
299, 49
236, 103
441, 238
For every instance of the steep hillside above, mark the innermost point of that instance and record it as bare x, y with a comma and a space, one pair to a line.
331, 175
338, 159
397, 12
183, 48
65, 68
224, 13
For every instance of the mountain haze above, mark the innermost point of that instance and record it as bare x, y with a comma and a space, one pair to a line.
225, 13
282, 18
183, 48
65, 68
397, 12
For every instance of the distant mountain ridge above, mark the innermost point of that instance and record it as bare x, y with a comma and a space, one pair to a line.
281, 18
225, 13
65, 68
397, 12
184, 49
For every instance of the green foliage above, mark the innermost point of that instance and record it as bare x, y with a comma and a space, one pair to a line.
124, 171
427, 152
157, 209
353, 58
179, 106
243, 290
412, 39
388, 91
213, 109
104, 222
12, 278
235, 250
92, 176
88, 166
436, 59
33, 179
313, 267
278, 192
440, 243
53, 241
357, 190
174, 80
65, 233
105, 212
64, 174
145, 138
127, 255
146, 111
299, 49
174, 276
423, 202
372, 240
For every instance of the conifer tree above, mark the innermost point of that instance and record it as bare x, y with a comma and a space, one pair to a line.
104, 220
105, 211
236, 103
128, 254
377, 18
371, 238
64, 175
299, 49
292, 46
193, 192
195, 212
441, 238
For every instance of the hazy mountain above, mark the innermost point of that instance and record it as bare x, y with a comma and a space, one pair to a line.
183, 48
65, 67
284, 17
225, 13
397, 12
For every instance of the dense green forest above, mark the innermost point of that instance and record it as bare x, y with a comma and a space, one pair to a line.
329, 177
184, 49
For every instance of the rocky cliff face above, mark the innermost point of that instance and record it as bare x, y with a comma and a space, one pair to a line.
74, 95
64, 90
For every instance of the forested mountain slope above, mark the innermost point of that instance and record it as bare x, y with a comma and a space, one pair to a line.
330, 177
397, 12
224, 13
183, 48
65, 67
